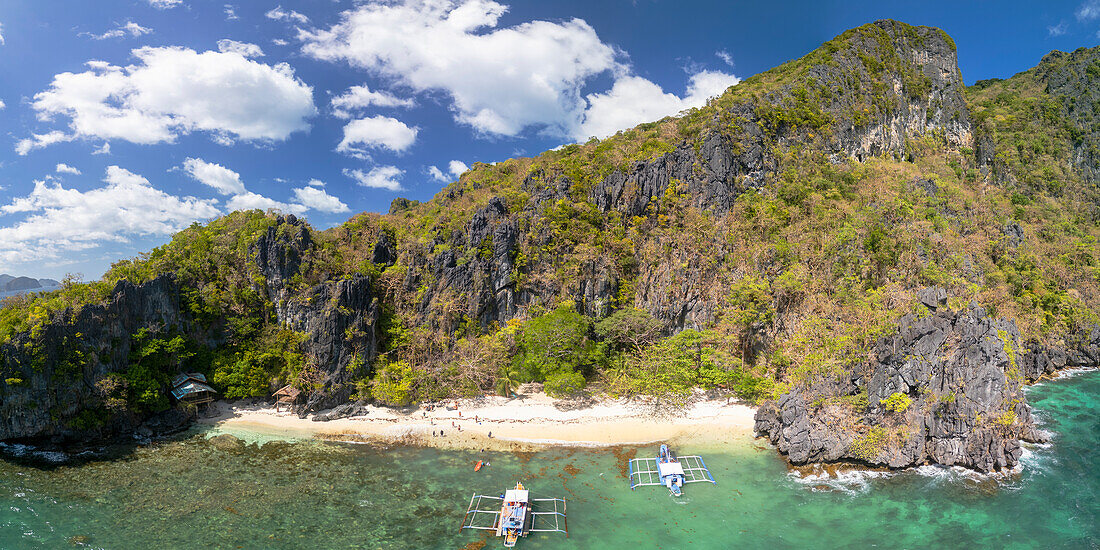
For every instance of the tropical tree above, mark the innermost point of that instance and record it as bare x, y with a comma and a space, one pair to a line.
507, 380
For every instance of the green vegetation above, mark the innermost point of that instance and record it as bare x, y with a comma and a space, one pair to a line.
868, 446
152, 358
897, 402
782, 280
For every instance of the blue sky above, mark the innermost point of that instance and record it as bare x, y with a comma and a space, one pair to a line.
123, 122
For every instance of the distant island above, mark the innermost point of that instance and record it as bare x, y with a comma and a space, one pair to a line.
11, 285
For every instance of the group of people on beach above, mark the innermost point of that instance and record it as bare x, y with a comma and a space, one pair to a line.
454, 424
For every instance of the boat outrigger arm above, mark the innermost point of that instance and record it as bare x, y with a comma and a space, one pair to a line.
545, 515
649, 471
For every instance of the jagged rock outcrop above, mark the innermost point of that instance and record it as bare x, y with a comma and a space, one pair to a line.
957, 379
50, 386
1071, 79
869, 92
337, 317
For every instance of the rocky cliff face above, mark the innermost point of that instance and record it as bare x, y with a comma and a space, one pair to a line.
51, 391
956, 378
57, 370
337, 317
1072, 79
869, 92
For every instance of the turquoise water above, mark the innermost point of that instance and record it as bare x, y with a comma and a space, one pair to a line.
276, 494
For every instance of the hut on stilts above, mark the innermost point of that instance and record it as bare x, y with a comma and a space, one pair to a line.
191, 388
286, 395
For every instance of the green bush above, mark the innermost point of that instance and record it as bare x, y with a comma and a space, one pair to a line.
897, 402
558, 342
564, 384
868, 446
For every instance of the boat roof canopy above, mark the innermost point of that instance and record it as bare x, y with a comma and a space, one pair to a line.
670, 468
516, 495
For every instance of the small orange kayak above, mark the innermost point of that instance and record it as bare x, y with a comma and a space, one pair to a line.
477, 466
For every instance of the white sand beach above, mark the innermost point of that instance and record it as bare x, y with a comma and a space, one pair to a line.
528, 421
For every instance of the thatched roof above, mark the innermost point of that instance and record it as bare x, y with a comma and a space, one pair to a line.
287, 391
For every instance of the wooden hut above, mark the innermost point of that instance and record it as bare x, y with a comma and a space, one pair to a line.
191, 388
286, 395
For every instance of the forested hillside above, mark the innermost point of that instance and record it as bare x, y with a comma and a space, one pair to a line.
768, 244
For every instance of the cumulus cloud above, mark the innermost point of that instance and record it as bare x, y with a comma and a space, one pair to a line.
63, 168
244, 49
290, 16
174, 91
37, 141
224, 180
500, 80
375, 132
381, 177
315, 198
361, 97
228, 182
457, 167
59, 220
437, 174
252, 201
1, 34
2, 104
634, 100
164, 4
230, 12
454, 169
130, 28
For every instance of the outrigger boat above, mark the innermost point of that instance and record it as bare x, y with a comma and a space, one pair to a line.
515, 514
669, 470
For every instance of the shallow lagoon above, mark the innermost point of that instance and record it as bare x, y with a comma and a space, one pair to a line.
277, 494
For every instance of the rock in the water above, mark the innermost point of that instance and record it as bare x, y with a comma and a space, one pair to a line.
946, 388
227, 442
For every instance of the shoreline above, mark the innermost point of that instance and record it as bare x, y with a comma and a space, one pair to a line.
528, 422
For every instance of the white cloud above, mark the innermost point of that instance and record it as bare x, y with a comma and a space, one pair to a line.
361, 97
224, 180
437, 174
317, 199
130, 28
377, 131
500, 80
60, 220
454, 170
251, 201
382, 177
231, 12
291, 16
244, 49
457, 167
37, 141
63, 168
1087, 12
172, 92
1057, 30
725, 57
634, 100
279, 42
2, 104
104, 149
1, 34
164, 4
